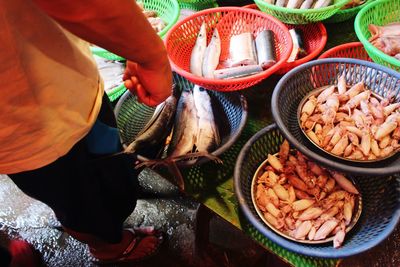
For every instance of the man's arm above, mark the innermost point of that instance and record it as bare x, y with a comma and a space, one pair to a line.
120, 27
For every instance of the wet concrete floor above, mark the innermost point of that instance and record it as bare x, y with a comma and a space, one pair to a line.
21, 217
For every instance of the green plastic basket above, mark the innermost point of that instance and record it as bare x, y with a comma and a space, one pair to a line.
379, 12
168, 10
346, 14
197, 5
300, 16
116, 92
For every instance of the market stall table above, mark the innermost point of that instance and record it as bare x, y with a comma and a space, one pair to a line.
212, 184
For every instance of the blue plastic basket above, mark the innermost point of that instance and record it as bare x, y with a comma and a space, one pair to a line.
380, 208
295, 85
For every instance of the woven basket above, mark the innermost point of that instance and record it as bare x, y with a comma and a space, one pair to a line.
230, 113
381, 13
349, 50
181, 39
297, 83
197, 5
168, 10
346, 14
300, 16
380, 210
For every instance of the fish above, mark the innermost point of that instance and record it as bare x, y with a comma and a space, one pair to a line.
298, 46
159, 128
306, 4
211, 56
281, 3
322, 3
265, 48
237, 72
199, 49
293, 3
208, 135
186, 126
242, 50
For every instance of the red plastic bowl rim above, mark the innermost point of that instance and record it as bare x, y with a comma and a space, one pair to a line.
252, 78
323, 40
333, 50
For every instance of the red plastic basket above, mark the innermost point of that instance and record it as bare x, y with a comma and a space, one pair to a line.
314, 39
181, 38
349, 50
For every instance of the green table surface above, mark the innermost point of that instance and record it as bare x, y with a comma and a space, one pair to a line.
212, 184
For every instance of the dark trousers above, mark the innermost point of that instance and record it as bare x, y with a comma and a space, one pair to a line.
89, 193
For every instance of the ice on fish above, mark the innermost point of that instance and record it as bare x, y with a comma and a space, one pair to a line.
242, 50
265, 46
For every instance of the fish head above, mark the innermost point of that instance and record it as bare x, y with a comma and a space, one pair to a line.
215, 37
203, 31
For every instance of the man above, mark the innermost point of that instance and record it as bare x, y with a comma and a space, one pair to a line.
57, 130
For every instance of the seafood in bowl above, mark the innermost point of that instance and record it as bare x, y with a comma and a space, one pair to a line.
386, 38
351, 123
302, 201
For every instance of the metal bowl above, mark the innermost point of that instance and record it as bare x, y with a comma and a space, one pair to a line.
356, 212
316, 92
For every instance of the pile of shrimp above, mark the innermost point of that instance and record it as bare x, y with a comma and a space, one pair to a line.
352, 123
303, 200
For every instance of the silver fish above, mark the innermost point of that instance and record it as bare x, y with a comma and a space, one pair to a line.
207, 135
237, 72
185, 127
322, 3
298, 50
293, 3
281, 3
265, 48
211, 56
152, 135
196, 58
307, 4
242, 50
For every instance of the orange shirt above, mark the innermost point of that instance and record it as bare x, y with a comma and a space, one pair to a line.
50, 89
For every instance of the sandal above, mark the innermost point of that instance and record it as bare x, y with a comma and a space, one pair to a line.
139, 235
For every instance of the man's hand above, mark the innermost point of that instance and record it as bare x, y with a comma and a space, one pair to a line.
151, 86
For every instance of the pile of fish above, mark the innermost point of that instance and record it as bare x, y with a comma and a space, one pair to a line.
353, 3
246, 55
156, 22
191, 116
353, 123
302, 4
111, 72
303, 200
386, 38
